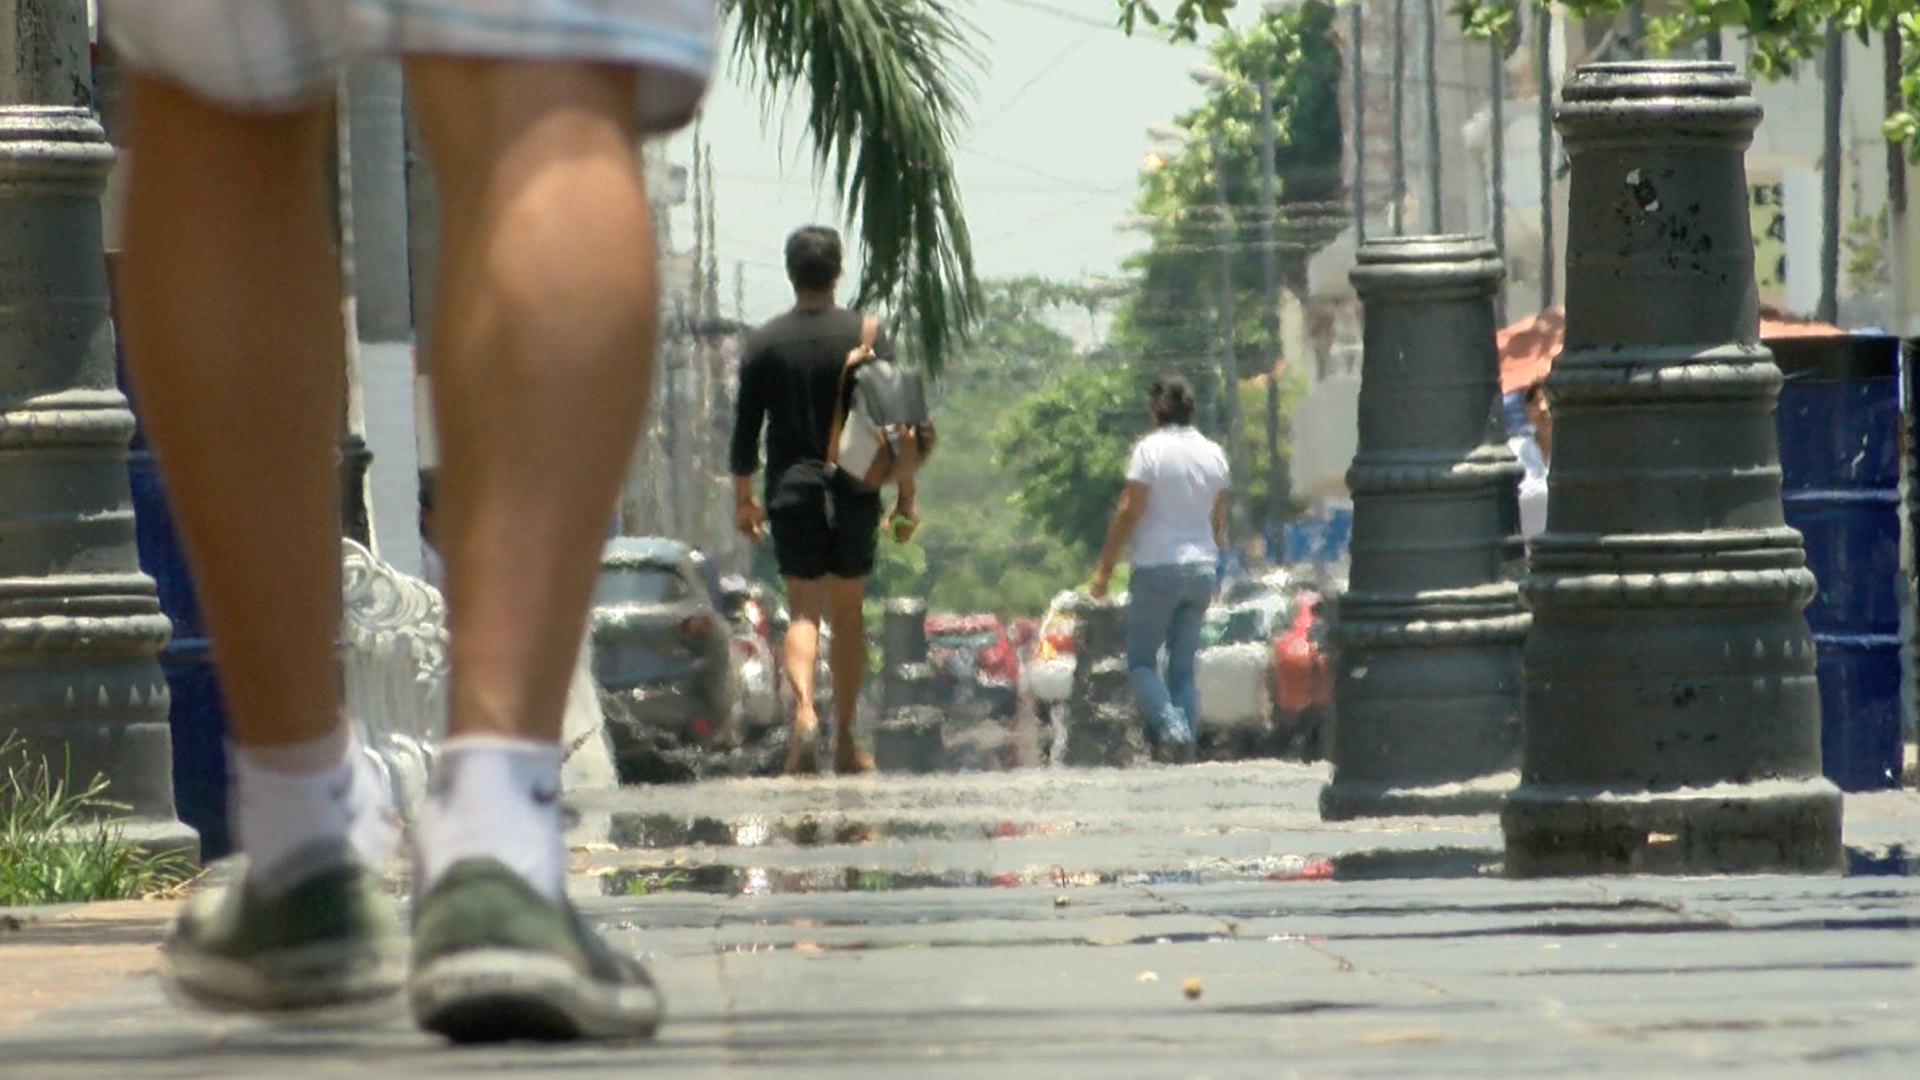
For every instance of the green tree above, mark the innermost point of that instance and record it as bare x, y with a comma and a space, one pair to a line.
1170, 322
1783, 32
974, 551
1067, 482
883, 83
1066, 449
1258, 472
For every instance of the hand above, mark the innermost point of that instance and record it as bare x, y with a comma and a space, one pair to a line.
901, 521
748, 519
1097, 588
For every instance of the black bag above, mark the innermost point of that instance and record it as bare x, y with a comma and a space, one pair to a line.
881, 431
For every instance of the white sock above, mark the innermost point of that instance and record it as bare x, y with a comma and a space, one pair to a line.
499, 798
306, 807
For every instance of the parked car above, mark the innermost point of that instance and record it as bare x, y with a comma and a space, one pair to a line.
1234, 673
972, 660
1050, 667
756, 666
1302, 678
662, 654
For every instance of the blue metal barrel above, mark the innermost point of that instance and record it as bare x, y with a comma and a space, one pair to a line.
1839, 424
197, 717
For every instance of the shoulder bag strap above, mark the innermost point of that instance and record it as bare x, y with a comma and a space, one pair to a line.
869, 333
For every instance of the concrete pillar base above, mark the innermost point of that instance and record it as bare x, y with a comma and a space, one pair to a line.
1345, 800
160, 837
1770, 826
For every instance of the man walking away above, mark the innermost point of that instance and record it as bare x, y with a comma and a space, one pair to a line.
544, 326
1174, 510
825, 526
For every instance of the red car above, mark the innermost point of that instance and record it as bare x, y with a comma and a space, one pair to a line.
1302, 682
972, 659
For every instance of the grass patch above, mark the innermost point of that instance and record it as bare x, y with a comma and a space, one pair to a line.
653, 884
60, 843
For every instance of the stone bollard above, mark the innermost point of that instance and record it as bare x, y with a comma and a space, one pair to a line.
907, 737
1102, 726
80, 624
1671, 719
1427, 696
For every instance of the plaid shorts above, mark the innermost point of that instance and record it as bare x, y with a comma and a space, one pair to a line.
266, 55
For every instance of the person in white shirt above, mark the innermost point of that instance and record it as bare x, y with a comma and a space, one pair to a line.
1173, 509
1535, 452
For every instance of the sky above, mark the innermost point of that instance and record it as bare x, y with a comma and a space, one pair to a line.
1047, 165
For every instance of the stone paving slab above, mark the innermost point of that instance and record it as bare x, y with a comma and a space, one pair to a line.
1462, 975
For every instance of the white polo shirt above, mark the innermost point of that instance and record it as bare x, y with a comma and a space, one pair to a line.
1184, 472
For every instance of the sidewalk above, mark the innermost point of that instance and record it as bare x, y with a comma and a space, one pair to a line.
1142, 923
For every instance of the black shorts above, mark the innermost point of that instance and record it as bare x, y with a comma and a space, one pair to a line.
823, 524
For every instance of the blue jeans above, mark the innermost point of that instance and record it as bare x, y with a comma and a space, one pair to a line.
1165, 606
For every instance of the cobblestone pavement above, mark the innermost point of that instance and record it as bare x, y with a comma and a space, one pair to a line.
1196, 922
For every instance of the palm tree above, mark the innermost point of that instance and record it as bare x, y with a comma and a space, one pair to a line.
884, 82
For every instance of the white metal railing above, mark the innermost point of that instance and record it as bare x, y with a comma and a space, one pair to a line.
394, 645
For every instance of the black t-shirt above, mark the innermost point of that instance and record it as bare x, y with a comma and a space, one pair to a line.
789, 373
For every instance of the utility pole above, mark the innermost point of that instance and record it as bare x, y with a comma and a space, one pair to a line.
1497, 143
80, 624
1396, 210
1359, 112
1270, 289
1430, 49
706, 475
1543, 81
1637, 30
373, 140
1236, 457
1833, 89
1892, 99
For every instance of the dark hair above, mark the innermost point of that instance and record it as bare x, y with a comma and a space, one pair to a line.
813, 257
1171, 400
1537, 391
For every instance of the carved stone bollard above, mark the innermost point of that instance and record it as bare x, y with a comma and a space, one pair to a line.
80, 624
908, 736
1671, 718
1426, 700
1103, 725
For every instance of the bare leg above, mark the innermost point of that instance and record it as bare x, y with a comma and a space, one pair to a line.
229, 300
848, 664
542, 362
800, 656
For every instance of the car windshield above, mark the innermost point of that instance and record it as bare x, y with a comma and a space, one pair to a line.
639, 585
1236, 626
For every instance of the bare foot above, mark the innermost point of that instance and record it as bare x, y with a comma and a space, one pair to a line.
803, 744
849, 759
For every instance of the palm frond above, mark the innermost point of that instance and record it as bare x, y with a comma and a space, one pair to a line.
884, 82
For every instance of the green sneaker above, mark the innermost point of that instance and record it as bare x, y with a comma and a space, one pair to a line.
494, 960
332, 940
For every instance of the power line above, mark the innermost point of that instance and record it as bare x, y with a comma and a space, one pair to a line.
1114, 189
1045, 70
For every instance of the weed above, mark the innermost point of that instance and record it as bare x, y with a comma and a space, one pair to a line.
667, 881
58, 843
